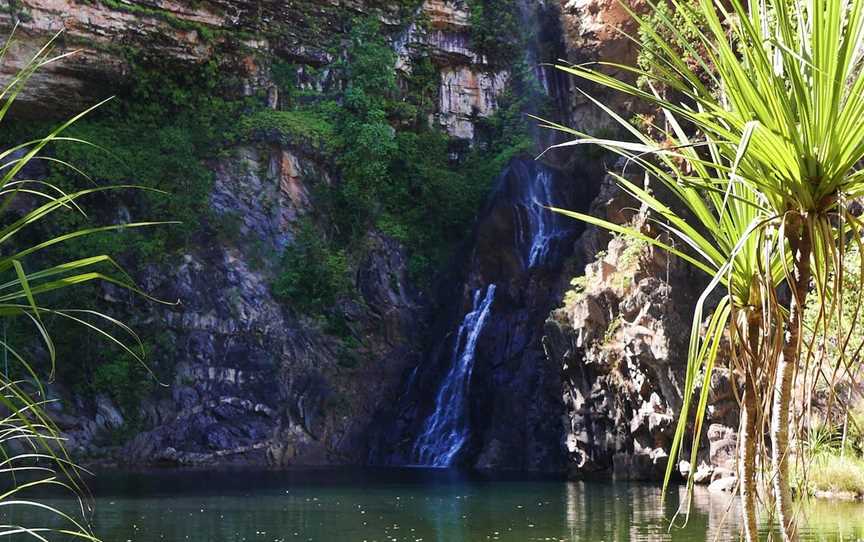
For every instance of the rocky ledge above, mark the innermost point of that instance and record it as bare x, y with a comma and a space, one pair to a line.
621, 341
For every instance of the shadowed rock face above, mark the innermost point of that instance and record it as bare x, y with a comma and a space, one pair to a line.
258, 387
250, 381
514, 407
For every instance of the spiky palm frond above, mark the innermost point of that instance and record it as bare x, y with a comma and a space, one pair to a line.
32, 455
772, 98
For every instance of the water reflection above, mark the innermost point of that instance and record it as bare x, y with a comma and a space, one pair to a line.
626, 512
629, 512
418, 505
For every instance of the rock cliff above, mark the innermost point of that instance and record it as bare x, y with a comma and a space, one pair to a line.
250, 379
621, 339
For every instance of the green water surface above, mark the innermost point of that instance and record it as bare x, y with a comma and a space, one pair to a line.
396, 505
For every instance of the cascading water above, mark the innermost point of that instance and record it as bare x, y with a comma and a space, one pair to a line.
446, 430
528, 187
491, 407
537, 227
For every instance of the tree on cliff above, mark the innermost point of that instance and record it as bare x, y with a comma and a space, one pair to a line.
31, 446
762, 140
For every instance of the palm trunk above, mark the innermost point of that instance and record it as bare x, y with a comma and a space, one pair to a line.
747, 465
747, 442
800, 243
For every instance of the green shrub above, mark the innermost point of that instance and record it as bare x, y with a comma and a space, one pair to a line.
496, 30
313, 274
830, 335
126, 381
284, 74
397, 172
370, 62
160, 133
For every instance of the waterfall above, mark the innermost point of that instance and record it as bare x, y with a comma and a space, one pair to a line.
536, 226
521, 246
446, 430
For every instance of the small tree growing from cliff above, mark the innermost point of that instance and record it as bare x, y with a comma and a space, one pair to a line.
772, 98
31, 446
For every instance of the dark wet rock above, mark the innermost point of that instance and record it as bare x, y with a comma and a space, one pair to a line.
108, 416
382, 279
514, 404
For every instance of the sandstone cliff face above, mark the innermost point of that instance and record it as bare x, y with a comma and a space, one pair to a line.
469, 85
598, 30
466, 94
242, 34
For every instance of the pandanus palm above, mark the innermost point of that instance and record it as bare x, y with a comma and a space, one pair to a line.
772, 95
720, 223
31, 447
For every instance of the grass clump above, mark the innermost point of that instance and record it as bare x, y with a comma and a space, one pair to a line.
628, 262
835, 456
837, 474
576, 291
